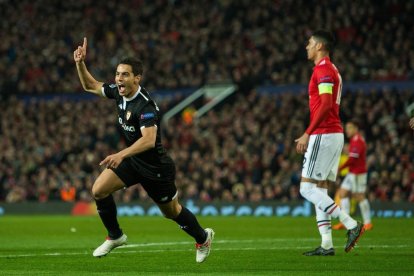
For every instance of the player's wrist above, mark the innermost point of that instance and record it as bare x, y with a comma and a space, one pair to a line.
123, 154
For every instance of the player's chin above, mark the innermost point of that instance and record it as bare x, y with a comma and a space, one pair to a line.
122, 92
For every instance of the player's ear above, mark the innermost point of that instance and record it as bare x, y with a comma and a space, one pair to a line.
137, 79
319, 46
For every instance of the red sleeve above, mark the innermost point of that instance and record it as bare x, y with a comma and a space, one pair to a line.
321, 113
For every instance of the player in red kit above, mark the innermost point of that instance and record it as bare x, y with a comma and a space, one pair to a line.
322, 144
355, 181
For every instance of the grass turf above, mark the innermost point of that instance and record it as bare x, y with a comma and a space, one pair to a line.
63, 245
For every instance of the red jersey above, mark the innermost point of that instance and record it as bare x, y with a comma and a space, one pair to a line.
325, 74
357, 155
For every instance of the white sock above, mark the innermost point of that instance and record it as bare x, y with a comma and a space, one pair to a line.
347, 221
345, 205
324, 226
327, 240
319, 197
365, 211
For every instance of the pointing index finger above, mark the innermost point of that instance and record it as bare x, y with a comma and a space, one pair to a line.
85, 43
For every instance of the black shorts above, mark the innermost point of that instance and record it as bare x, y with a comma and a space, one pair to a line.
159, 184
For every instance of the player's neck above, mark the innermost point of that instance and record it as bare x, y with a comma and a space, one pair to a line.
134, 92
319, 57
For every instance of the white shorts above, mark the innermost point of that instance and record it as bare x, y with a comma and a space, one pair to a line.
356, 183
321, 159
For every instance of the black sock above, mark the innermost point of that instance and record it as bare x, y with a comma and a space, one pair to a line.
189, 224
107, 211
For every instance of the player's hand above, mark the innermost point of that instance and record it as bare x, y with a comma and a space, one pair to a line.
80, 53
112, 161
302, 143
412, 122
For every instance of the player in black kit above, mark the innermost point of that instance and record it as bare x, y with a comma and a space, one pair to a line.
144, 161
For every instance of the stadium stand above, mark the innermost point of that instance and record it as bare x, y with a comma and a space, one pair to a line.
46, 144
243, 151
188, 44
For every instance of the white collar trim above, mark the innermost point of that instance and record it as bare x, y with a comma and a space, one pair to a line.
135, 95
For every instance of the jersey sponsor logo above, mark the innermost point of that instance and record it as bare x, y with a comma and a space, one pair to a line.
128, 115
325, 79
112, 85
126, 127
163, 199
147, 116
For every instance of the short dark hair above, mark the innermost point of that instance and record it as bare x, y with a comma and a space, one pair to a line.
136, 64
355, 122
326, 38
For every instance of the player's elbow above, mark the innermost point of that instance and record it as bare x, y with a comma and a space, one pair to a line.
87, 89
92, 87
149, 143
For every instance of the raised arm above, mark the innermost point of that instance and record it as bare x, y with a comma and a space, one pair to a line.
89, 83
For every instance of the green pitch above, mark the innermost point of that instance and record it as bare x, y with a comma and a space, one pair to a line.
57, 245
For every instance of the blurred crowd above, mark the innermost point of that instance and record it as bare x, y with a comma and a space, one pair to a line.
243, 151
189, 43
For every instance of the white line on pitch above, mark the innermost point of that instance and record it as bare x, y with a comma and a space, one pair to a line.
183, 250
216, 241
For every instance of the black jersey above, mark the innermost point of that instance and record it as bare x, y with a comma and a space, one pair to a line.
136, 113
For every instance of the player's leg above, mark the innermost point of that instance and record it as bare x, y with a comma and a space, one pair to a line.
355, 229
324, 226
184, 218
107, 183
310, 191
320, 164
325, 203
324, 222
360, 196
188, 222
344, 196
345, 192
319, 160
164, 193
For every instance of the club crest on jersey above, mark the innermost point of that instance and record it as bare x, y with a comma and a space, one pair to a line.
128, 115
147, 116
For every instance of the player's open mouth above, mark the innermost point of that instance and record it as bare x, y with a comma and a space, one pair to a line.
121, 88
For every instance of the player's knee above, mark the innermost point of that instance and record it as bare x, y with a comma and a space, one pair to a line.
172, 212
306, 190
343, 193
169, 215
98, 193
358, 197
